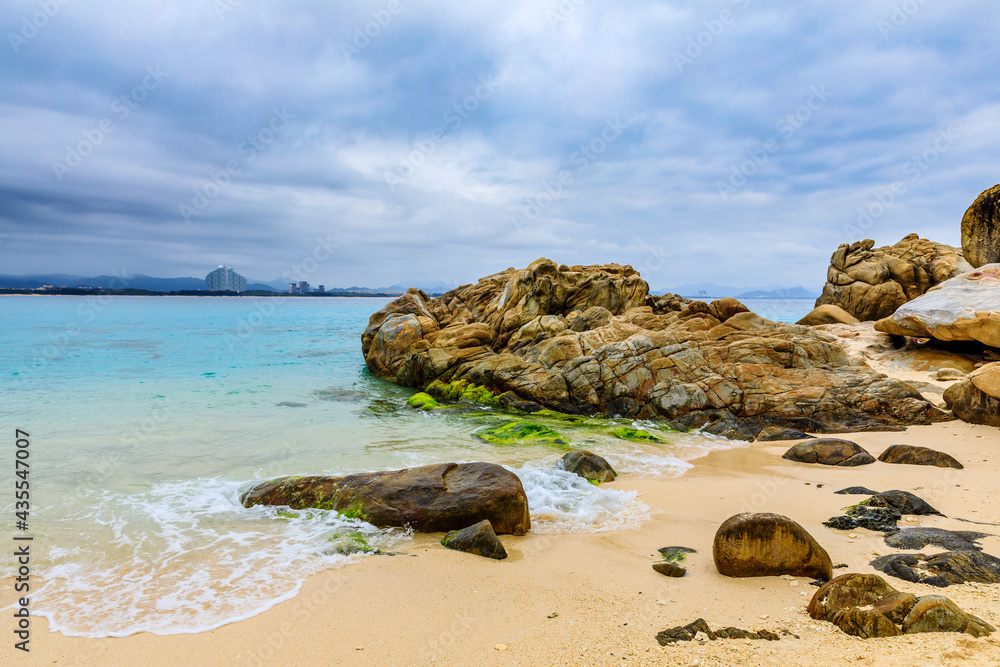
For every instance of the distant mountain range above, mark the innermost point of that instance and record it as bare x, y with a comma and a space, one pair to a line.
714, 291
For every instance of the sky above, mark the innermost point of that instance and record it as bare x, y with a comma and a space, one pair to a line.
372, 143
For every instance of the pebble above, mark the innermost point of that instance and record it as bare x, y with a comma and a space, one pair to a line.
501, 647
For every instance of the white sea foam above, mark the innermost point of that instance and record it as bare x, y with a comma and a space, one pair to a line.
562, 502
186, 557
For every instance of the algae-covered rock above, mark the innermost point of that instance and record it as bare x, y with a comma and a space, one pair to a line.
463, 390
590, 466
422, 401
520, 433
429, 499
675, 554
479, 540
634, 435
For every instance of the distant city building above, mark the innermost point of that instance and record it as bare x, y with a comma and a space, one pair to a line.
293, 288
321, 289
225, 279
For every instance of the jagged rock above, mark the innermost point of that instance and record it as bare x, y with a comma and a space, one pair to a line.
963, 308
972, 405
827, 314
430, 499
920, 456
779, 433
934, 613
761, 545
943, 569
589, 465
675, 554
981, 229
918, 538
864, 605
689, 632
829, 452
987, 379
881, 512
478, 539
870, 284
514, 332
669, 569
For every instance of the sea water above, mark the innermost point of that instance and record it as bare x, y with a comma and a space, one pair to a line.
148, 416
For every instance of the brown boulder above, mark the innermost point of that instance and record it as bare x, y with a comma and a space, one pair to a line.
981, 229
763, 545
479, 540
987, 379
919, 456
871, 283
430, 499
972, 405
829, 452
589, 465
827, 314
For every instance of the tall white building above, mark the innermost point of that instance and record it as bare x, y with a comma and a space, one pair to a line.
225, 279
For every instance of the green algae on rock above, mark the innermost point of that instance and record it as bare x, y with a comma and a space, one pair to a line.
423, 401
520, 432
634, 435
462, 390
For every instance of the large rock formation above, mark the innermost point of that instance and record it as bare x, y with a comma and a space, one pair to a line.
871, 283
767, 545
540, 334
981, 229
963, 308
430, 499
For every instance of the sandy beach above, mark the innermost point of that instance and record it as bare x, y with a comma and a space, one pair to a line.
593, 599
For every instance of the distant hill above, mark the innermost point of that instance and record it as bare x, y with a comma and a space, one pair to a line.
714, 291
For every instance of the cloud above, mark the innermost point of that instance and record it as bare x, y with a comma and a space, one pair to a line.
422, 137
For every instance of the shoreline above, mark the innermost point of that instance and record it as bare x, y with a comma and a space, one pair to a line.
436, 606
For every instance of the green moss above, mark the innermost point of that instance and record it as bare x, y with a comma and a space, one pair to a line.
595, 482
463, 390
676, 554
354, 510
521, 433
634, 435
287, 514
422, 401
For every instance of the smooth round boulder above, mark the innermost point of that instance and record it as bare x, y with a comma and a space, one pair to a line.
918, 456
589, 465
829, 452
768, 545
981, 229
828, 313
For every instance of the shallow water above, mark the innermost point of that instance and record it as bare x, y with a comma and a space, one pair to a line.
149, 415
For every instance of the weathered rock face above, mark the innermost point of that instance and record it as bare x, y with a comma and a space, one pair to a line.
540, 334
981, 229
829, 452
943, 569
987, 379
430, 499
919, 456
871, 283
963, 308
763, 545
864, 605
589, 465
827, 314
972, 405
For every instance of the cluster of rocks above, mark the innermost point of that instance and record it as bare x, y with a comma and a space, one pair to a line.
591, 340
839, 452
699, 628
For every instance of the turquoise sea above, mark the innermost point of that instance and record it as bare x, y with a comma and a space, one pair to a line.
148, 415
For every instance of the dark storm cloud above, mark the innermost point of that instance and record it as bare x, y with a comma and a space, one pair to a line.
733, 141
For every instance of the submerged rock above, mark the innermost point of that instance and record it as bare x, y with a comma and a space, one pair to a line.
634, 435
866, 606
430, 499
515, 333
829, 452
981, 229
762, 545
423, 401
520, 433
479, 540
871, 283
943, 569
589, 465
920, 456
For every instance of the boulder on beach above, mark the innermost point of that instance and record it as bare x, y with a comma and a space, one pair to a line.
870, 283
589, 465
963, 308
764, 544
981, 229
827, 314
986, 379
829, 452
919, 456
972, 405
479, 539
921, 536
430, 499
866, 606
591, 340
